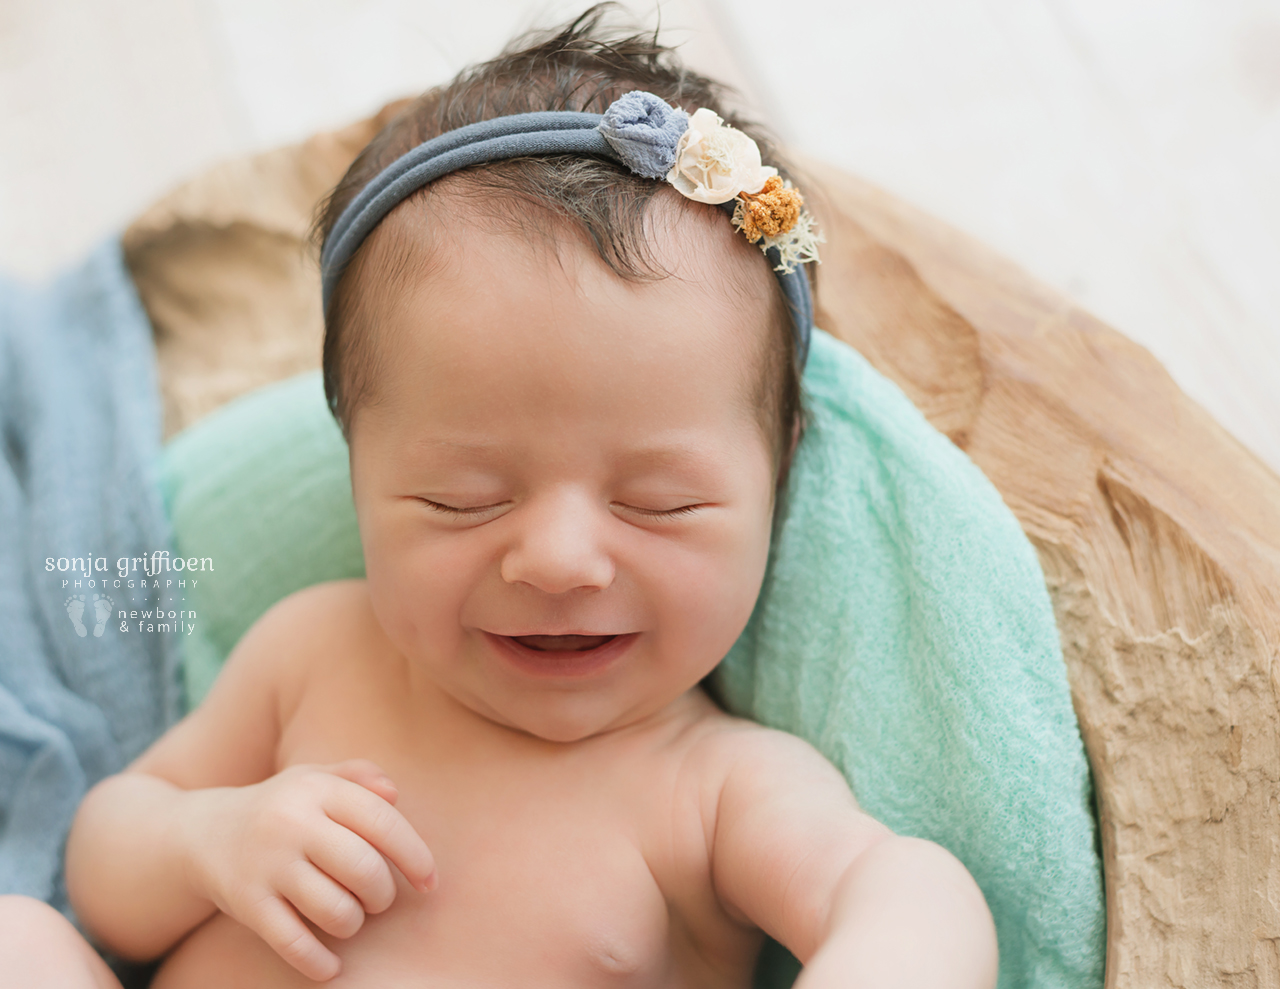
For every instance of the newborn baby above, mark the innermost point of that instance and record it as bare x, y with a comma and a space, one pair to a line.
570, 394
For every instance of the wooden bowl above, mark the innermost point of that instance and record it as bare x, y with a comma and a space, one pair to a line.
1158, 532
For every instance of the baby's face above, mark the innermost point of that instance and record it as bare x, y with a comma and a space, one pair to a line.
563, 492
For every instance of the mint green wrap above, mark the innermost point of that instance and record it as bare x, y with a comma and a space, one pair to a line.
903, 628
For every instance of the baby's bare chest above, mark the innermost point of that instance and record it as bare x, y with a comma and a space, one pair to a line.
573, 868
507, 912
516, 905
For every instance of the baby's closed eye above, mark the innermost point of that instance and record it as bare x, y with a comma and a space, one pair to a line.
677, 512
448, 509
647, 508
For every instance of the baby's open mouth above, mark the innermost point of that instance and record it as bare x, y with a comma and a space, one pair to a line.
573, 657
562, 643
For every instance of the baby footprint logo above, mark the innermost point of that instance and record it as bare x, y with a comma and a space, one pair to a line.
75, 608
102, 611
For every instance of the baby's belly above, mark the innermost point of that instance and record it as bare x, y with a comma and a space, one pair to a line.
441, 941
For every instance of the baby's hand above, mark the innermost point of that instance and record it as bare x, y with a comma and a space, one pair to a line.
310, 839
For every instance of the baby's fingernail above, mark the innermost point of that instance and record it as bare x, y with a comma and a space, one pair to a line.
430, 883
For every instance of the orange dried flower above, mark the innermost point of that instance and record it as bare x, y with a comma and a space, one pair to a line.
770, 212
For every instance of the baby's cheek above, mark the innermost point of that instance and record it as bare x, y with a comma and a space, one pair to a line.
408, 584
709, 597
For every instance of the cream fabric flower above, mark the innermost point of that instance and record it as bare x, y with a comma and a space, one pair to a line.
715, 162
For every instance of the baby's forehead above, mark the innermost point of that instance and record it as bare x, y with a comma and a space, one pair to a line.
434, 232
506, 272
450, 276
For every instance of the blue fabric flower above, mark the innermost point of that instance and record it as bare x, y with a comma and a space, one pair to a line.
644, 131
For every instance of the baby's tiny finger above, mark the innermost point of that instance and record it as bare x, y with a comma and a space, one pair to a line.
355, 864
368, 774
387, 830
278, 925
326, 903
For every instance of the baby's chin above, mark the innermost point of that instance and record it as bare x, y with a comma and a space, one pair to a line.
566, 719
567, 727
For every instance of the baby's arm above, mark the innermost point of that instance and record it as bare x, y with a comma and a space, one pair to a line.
201, 821
857, 904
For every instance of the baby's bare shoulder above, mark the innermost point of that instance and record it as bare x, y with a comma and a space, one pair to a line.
773, 808
320, 609
731, 765
230, 738
725, 744
309, 631
300, 637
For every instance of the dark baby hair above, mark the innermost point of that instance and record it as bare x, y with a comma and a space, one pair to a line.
584, 66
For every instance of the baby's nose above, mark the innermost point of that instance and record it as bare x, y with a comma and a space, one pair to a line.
558, 547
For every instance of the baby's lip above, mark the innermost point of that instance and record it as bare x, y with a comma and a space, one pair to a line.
562, 656
563, 641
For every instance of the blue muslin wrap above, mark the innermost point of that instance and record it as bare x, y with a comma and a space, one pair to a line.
80, 414
903, 628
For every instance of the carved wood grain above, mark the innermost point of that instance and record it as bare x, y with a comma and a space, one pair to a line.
1159, 535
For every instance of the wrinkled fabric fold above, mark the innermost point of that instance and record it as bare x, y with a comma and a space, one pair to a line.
80, 419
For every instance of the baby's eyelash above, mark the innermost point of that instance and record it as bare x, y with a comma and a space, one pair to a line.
443, 509
670, 513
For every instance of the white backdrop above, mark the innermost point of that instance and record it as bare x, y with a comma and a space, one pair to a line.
1126, 152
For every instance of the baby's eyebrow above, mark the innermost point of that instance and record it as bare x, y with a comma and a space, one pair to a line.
685, 457
468, 449
662, 456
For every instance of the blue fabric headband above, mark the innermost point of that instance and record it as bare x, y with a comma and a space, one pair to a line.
639, 131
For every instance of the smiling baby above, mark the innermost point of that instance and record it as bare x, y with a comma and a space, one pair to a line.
570, 390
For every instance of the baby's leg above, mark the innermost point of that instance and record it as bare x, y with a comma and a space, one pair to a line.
39, 947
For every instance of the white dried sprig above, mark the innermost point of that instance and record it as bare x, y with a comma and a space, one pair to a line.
797, 246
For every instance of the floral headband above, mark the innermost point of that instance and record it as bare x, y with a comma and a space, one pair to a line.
708, 161
703, 158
